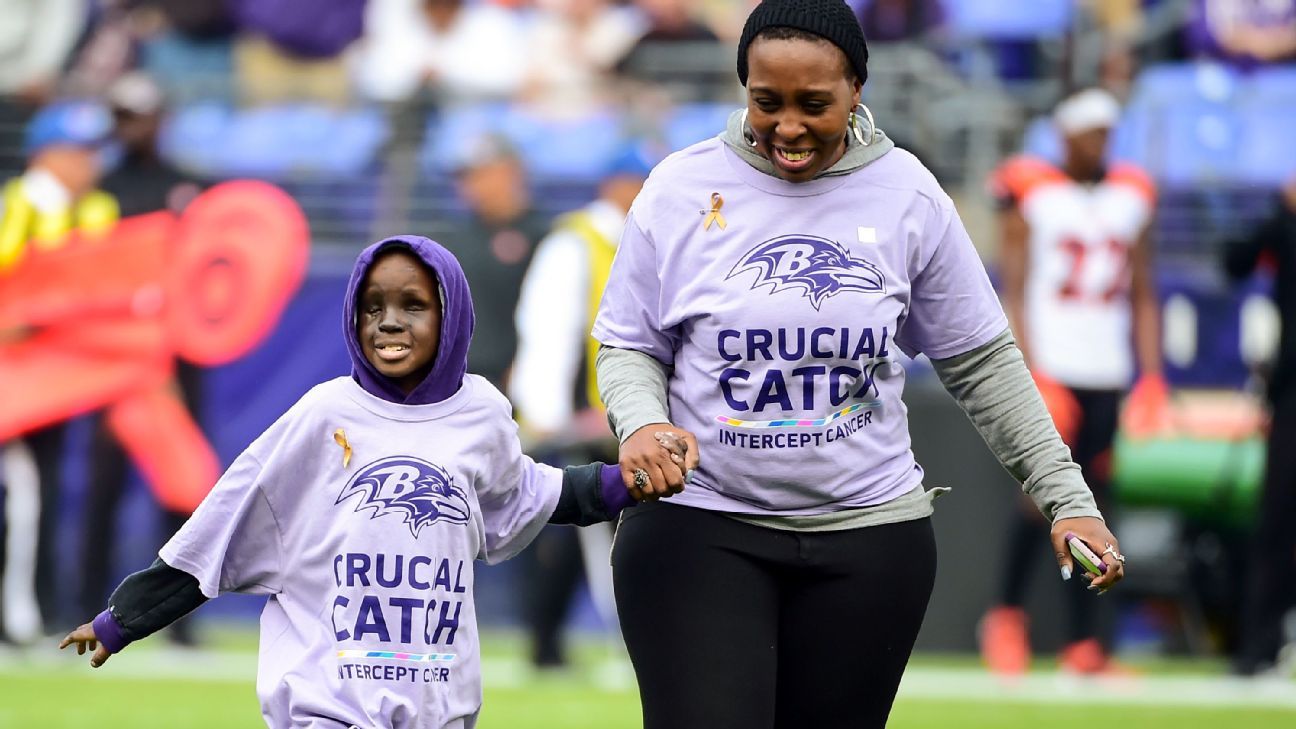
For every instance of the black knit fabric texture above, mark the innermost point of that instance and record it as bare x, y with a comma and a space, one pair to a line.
831, 20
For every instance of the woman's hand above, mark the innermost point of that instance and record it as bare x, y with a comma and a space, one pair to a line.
655, 451
1093, 532
85, 639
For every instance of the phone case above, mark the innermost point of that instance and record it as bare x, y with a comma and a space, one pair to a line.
1092, 563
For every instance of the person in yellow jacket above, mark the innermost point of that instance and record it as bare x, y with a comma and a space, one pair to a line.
40, 210
554, 394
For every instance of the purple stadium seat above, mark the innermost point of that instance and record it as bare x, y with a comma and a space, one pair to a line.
1267, 153
1006, 20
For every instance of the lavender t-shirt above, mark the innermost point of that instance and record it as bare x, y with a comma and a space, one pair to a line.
783, 324
368, 558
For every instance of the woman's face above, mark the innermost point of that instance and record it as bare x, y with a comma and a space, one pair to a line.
800, 94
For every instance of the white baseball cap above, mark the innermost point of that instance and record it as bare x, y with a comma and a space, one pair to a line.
1086, 110
137, 93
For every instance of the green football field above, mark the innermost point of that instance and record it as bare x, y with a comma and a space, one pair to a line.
154, 687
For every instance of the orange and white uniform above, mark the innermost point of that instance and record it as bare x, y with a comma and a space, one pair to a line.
1077, 298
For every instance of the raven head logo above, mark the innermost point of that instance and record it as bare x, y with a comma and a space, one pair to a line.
410, 487
820, 267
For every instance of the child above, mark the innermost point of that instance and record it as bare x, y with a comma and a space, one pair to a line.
360, 511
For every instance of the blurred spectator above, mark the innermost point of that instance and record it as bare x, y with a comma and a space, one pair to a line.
725, 17
1271, 579
1244, 32
556, 398
494, 244
1118, 67
1120, 18
125, 34
672, 20
899, 20
55, 197
142, 182
678, 50
461, 51
575, 45
305, 29
1119, 23
186, 45
35, 39
106, 51
291, 49
1077, 279
196, 19
667, 21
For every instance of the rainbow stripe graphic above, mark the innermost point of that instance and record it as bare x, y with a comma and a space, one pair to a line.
736, 423
391, 656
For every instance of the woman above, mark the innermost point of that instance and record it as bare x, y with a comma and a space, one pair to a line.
764, 283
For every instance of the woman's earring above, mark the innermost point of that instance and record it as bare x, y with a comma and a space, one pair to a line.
751, 141
855, 125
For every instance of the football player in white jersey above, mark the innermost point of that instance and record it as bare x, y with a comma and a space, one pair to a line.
1078, 289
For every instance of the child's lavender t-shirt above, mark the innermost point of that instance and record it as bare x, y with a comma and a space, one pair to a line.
782, 308
368, 559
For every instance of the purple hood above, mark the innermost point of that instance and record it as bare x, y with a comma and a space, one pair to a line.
456, 324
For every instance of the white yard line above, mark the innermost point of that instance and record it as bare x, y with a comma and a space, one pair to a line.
920, 683
1060, 688
1043, 687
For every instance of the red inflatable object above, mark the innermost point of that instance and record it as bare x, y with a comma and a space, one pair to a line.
242, 254
182, 473
97, 323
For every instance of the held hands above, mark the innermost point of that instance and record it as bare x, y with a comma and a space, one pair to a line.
655, 459
85, 639
1093, 532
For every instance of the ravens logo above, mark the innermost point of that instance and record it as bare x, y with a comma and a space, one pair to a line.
819, 267
418, 491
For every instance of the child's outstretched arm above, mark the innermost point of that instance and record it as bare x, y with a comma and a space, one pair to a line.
143, 604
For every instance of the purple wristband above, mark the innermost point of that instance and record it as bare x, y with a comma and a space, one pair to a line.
109, 632
615, 495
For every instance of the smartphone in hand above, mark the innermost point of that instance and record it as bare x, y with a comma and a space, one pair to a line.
1092, 563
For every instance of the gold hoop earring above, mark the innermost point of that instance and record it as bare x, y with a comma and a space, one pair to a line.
751, 141
855, 125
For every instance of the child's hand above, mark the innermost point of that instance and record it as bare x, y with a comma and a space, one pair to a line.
85, 638
678, 449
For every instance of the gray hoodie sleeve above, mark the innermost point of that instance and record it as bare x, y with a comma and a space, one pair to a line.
993, 386
633, 388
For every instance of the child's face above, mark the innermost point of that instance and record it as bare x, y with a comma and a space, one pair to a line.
400, 318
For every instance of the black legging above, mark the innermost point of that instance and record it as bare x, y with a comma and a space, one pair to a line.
736, 626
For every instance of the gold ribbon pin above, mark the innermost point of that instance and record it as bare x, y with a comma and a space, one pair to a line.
714, 216
339, 437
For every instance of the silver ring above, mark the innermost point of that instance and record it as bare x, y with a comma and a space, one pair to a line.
1111, 549
641, 478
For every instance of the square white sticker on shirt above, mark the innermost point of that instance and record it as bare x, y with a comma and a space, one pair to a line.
867, 235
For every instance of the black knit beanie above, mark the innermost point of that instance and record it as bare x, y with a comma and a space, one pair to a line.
831, 20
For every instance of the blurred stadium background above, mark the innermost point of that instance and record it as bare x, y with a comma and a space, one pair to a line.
367, 114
